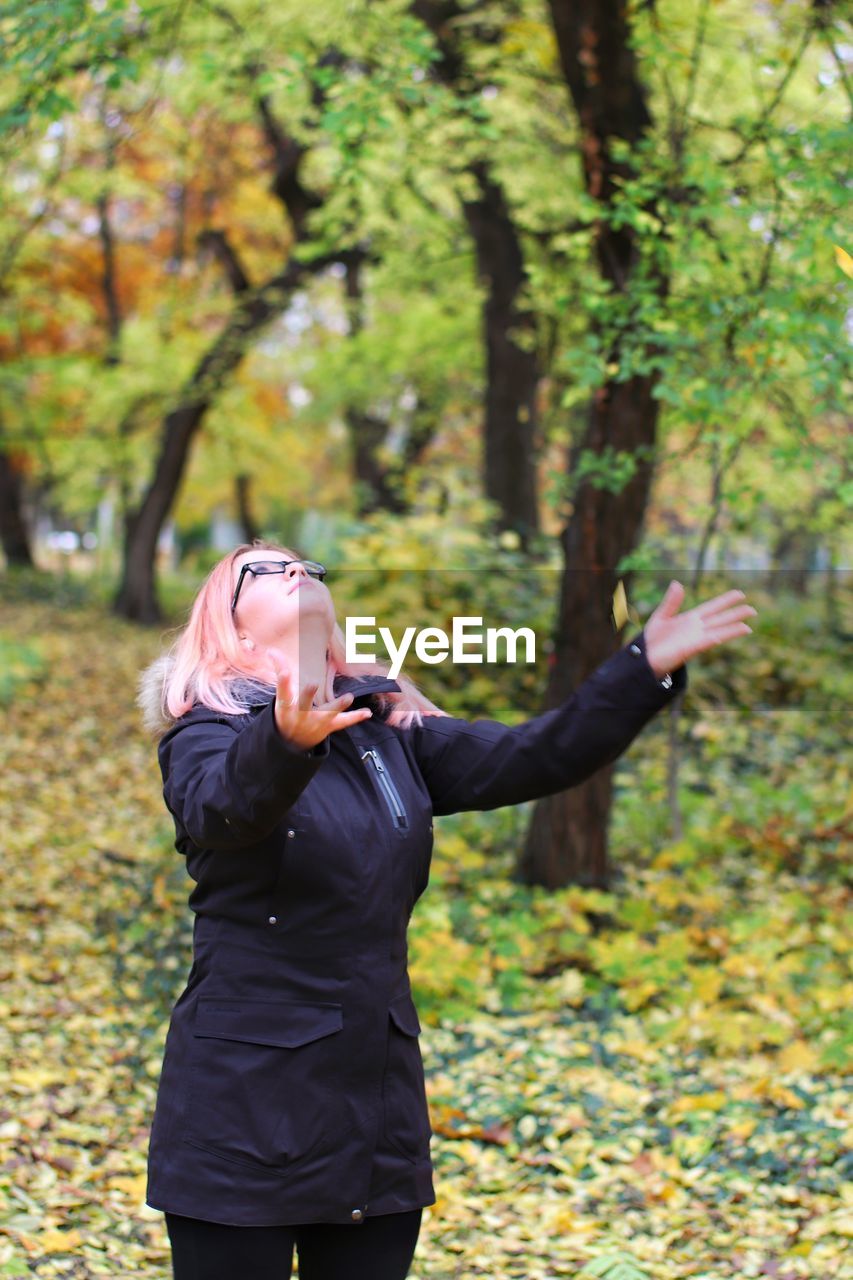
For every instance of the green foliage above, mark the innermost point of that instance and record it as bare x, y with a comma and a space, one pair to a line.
21, 664
433, 567
734, 199
63, 590
606, 469
45, 41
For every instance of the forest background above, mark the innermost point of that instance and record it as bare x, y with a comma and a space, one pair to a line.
513, 309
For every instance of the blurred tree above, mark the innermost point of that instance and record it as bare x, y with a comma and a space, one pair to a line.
20, 221
14, 534
510, 441
254, 307
567, 838
380, 481
653, 188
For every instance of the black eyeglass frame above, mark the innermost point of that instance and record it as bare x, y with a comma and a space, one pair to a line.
311, 567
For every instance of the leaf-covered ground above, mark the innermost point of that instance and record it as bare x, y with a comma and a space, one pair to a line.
657, 1077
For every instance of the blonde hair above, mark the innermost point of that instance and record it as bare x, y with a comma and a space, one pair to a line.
207, 663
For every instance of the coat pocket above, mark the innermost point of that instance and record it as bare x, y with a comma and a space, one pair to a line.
261, 1079
407, 1124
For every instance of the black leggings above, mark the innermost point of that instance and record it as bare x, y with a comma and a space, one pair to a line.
379, 1248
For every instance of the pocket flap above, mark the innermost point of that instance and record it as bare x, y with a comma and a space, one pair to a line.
285, 1024
404, 1015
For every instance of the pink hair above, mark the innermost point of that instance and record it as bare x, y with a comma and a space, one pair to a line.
207, 660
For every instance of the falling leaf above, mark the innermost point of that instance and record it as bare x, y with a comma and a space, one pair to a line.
620, 606
844, 260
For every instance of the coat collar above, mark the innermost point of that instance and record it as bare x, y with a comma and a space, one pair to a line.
363, 686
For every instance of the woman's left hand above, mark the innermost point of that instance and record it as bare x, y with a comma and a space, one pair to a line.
672, 638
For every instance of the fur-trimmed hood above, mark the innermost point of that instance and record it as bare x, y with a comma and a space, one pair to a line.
149, 695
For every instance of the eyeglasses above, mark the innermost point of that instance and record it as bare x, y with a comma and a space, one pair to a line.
258, 568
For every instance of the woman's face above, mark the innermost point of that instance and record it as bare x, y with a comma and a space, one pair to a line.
276, 608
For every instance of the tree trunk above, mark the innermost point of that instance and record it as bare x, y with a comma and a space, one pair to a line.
567, 839
137, 594
794, 558
512, 371
374, 485
14, 534
137, 597
245, 514
832, 613
380, 485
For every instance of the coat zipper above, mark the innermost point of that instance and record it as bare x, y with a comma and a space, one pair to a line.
386, 786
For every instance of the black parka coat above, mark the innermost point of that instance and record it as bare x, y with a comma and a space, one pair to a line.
292, 1087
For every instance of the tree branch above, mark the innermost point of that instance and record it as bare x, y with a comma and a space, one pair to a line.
846, 83
109, 280
217, 243
756, 134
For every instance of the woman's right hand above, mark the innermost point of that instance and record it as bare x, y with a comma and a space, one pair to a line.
304, 724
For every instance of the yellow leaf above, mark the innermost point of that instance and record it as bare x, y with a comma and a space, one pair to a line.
561, 1220
570, 1122
742, 1130
55, 1241
159, 894
640, 994
640, 1049
132, 1185
34, 1078
707, 984
776, 1093
798, 1056
570, 987
845, 262
714, 1101
669, 1191
620, 606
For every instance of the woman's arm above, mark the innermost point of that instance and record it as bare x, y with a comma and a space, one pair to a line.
483, 764
228, 784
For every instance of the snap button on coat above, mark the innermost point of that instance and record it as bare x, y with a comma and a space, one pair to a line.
292, 1085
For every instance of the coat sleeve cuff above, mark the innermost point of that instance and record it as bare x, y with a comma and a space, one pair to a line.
666, 687
287, 750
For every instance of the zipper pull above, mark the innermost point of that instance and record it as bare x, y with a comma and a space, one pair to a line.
377, 763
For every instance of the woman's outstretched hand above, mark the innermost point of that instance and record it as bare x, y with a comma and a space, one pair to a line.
672, 638
302, 723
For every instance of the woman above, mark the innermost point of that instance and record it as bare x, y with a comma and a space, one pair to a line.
291, 1107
